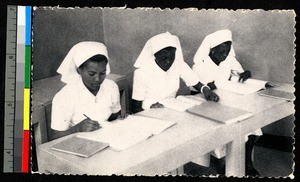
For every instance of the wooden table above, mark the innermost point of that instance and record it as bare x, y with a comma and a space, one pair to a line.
191, 137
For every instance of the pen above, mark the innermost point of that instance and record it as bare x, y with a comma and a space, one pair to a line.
102, 123
87, 116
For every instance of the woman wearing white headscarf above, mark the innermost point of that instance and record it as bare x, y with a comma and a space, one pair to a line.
215, 63
88, 97
215, 60
160, 66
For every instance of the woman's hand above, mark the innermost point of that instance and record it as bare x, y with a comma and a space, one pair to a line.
87, 125
210, 95
244, 76
120, 117
157, 105
212, 85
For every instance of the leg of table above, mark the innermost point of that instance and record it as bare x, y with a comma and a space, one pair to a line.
123, 102
235, 158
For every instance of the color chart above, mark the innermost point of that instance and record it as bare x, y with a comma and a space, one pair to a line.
17, 90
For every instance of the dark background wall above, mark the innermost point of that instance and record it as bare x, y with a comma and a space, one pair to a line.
263, 40
56, 31
265, 47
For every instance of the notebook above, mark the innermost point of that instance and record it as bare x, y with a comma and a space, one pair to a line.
220, 113
123, 134
278, 94
79, 146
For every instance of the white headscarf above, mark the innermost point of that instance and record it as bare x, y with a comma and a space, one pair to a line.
78, 54
211, 41
155, 44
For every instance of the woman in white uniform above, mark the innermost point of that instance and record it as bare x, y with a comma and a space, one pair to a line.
88, 97
160, 66
215, 63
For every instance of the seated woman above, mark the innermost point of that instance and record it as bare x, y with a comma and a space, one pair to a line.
88, 98
215, 60
160, 66
215, 64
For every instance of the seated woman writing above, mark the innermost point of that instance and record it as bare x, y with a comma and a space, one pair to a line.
215, 64
88, 98
160, 66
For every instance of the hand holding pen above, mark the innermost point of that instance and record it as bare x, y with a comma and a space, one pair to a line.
87, 125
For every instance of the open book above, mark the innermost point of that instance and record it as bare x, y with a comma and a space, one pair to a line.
125, 133
182, 103
79, 146
247, 87
220, 113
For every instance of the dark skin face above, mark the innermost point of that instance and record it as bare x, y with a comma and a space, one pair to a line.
220, 52
165, 58
93, 74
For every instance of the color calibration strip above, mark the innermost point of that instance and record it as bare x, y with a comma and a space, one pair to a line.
26, 113
17, 90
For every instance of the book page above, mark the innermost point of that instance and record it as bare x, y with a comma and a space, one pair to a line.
196, 100
247, 87
176, 104
123, 134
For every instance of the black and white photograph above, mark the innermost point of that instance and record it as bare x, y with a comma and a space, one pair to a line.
168, 92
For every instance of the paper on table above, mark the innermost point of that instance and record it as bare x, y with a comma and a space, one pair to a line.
125, 133
181, 103
196, 100
247, 87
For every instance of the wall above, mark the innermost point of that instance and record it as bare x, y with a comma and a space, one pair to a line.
263, 40
56, 31
265, 47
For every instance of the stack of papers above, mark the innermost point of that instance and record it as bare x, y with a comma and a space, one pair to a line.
125, 133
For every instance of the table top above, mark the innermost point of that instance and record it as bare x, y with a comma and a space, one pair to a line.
190, 137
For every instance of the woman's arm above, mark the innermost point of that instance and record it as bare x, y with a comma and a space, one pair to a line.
137, 106
86, 125
114, 116
209, 95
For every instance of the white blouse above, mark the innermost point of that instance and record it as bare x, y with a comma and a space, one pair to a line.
72, 102
208, 71
152, 84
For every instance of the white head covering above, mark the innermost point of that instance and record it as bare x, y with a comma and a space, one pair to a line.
155, 44
211, 41
78, 54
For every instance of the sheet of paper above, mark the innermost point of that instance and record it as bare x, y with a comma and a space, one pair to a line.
176, 104
196, 100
